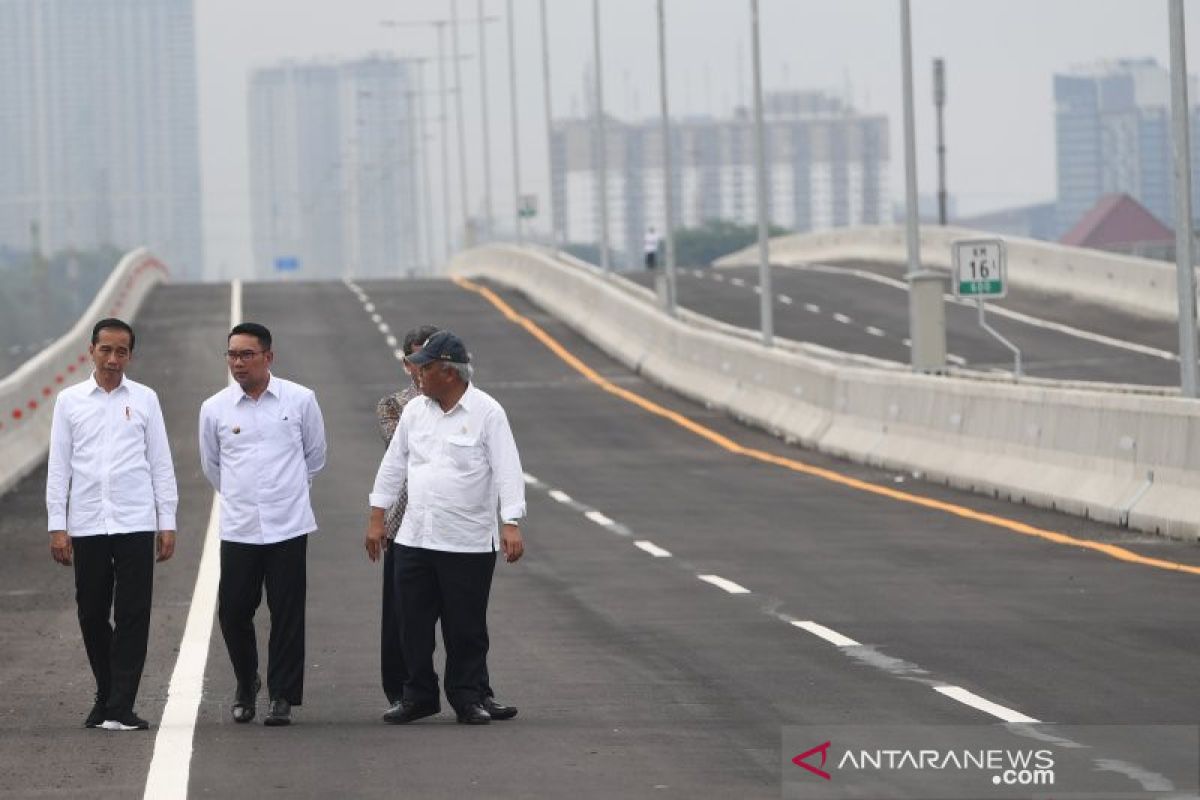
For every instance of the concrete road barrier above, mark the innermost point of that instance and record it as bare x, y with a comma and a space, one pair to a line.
27, 395
1120, 458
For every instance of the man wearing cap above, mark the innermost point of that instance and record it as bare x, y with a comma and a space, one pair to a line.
455, 451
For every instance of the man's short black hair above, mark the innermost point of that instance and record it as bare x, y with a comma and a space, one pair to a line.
112, 323
259, 332
416, 336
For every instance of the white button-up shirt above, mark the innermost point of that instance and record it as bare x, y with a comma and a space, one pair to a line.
109, 469
461, 465
261, 456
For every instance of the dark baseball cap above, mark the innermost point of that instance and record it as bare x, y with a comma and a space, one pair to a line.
441, 346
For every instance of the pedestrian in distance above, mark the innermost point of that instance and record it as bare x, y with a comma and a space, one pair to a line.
262, 441
650, 247
454, 450
110, 501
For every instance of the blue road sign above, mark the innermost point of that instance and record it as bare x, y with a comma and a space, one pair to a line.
287, 264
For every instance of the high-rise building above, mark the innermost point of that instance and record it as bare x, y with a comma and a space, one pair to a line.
99, 141
333, 178
1113, 135
827, 167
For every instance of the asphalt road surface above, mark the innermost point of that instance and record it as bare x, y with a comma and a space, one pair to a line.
658, 634
863, 308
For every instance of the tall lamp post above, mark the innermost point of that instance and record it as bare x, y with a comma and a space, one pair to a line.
766, 310
555, 224
1184, 239
601, 141
668, 204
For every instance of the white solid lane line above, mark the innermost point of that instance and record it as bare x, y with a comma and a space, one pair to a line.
599, 519
171, 763
652, 549
560, 496
828, 634
987, 706
722, 583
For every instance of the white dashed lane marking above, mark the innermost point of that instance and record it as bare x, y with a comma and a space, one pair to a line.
982, 704
559, 496
724, 583
599, 519
652, 549
828, 634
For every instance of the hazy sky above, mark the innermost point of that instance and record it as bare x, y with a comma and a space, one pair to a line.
1000, 58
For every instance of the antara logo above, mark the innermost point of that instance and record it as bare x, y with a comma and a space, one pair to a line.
823, 749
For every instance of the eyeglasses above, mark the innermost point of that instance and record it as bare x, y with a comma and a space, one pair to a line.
233, 356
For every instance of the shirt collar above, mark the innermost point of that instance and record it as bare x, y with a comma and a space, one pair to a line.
96, 387
272, 389
466, 402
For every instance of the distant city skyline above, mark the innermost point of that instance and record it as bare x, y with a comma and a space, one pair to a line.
99, 141
1000, 62
334, 185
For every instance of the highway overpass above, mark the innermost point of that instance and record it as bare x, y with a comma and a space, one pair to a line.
692, 586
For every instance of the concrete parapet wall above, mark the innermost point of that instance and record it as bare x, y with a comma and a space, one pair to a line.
1120, 458
27, 395
1138, 285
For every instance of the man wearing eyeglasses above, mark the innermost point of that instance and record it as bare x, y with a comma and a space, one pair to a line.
262, 440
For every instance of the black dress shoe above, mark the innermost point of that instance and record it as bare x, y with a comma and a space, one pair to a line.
498, 710
474, 715
244, 701
407, 711
95, 717
280, 714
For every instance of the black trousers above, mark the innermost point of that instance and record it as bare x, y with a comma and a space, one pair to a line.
245, 569
433, 584
391, 655
115, 574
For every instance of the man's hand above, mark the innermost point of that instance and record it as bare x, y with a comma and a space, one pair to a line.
60, 547
376, 540
165, 545
511, 544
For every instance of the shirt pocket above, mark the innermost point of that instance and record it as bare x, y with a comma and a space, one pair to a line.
465, 452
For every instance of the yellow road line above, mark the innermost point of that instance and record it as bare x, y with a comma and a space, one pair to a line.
1119, 553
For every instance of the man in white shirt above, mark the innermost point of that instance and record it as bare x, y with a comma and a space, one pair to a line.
110, 486
455, 449
650, 247
262, 440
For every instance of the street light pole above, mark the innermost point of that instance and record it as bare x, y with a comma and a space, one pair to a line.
444, 146
1184, 240
601, 141
939, 101
458, 110
425, 180
668, 204
486, 227
555, 227
516, 133
766, 309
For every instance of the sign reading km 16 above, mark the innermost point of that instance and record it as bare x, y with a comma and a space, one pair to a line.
980, 268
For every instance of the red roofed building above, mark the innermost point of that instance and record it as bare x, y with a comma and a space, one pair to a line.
1120, 224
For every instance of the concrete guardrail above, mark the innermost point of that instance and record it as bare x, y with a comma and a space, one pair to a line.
1120, 458
1138, 285
27, 395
